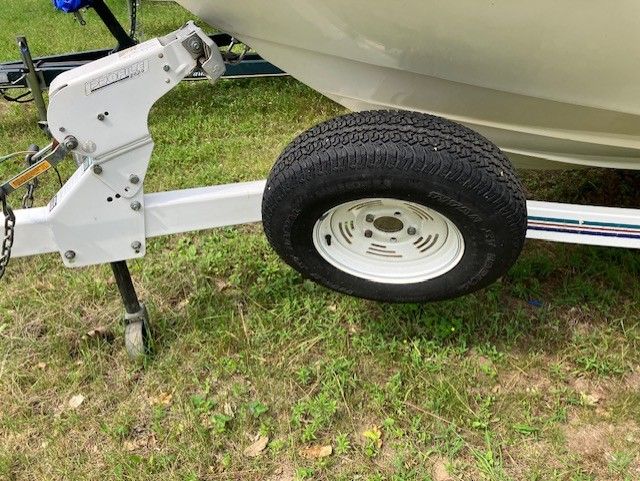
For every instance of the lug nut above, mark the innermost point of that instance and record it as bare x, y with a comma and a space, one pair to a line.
411, 231
368, 233
135, 205
70, 255
134, 179
370, 218
97, 169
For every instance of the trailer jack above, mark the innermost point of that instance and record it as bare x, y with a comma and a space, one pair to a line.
136, 319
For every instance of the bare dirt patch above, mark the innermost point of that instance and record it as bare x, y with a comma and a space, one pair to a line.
632, 381
591, 392
522, 456
597, 444
533, 380
591, 442
439, 470
285, 472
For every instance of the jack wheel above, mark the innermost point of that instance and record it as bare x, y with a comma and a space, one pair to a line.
137, 338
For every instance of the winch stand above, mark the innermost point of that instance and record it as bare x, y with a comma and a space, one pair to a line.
98, 113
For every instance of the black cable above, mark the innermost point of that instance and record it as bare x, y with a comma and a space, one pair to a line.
59, 176
17, 99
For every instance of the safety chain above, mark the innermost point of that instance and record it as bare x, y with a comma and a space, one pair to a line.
134, 25
7, 241
54, 155
27, 198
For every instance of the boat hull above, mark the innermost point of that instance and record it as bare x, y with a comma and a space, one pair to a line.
554, 84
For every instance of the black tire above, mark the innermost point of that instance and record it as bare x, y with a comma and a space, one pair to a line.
408, 156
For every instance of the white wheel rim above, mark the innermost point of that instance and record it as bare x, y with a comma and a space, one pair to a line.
388, 240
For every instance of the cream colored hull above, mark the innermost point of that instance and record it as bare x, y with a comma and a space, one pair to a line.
555, 83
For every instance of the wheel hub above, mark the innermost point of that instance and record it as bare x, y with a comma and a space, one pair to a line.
388, 240
388, 223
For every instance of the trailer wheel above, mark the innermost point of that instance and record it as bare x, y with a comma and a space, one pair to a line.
395, 206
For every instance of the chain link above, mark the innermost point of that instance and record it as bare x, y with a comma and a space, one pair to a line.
7, 241
27, 198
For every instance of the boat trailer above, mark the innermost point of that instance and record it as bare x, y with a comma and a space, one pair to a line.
97, 114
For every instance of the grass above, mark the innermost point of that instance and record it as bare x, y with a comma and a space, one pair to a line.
535, 378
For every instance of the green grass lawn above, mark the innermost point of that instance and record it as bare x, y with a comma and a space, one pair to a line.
534, 378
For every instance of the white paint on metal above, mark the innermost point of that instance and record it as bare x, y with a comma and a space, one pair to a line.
203, 208
104, 106
584, 224
87, 217
33, 235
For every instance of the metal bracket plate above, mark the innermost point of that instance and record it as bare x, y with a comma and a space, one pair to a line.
92, 224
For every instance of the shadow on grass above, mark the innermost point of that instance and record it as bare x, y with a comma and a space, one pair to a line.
535, 308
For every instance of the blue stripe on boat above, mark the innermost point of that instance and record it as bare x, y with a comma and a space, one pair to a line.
587, 232
587, 222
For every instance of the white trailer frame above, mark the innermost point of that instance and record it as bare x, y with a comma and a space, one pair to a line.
186, 210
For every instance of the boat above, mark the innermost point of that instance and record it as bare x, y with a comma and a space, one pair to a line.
553, 84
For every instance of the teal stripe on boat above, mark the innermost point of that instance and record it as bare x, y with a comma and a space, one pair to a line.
587, 222
605, 224
550, 219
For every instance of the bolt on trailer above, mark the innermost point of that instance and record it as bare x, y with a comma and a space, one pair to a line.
394, 206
